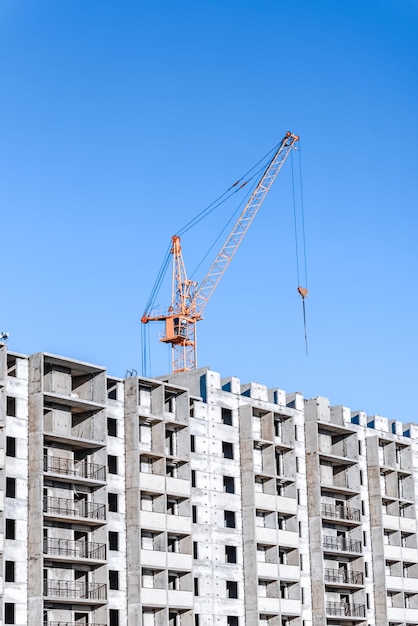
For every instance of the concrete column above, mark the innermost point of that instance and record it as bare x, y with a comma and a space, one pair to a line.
376, 530
248, 516
312, 411
133, 528
35, 483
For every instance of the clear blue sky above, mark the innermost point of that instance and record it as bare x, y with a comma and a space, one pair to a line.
119, 121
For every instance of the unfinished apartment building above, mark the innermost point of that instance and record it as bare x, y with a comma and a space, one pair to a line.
193, 500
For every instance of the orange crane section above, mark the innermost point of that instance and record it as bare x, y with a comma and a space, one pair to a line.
188, 300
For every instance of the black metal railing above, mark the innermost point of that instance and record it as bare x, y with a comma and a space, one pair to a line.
68, 624
341, 512
74, 508
78, 469
344, 609
73, 589
75, 549
342, 576
341, 544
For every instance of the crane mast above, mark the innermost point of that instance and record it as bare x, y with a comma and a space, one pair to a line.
187, 299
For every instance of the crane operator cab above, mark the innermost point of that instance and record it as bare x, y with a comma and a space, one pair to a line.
176, 330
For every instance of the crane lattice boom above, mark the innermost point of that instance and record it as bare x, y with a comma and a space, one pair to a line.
237, 234
188, 301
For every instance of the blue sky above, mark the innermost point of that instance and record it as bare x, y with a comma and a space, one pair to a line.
120, 121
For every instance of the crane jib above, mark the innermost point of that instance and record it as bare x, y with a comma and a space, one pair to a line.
238, 232
187, 299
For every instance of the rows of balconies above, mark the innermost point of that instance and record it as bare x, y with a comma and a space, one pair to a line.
80, 469
74, 590
341, 512
74, 508
75, 549
341, 544
72, 394
342, 577
345, 609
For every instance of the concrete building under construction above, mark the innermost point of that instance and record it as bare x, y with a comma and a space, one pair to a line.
198, 501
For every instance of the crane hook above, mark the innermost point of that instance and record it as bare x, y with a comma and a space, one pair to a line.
303, 292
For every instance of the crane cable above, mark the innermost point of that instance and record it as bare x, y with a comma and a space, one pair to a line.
146, 352
160, 276
233, 189
145, 336
303, 219
303, 291
228, 222
269, 158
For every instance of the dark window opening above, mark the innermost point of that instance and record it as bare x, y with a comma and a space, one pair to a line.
113, 617
112, 390
10, 529
11, 407
229, 484
112, 464
9, 571
112, 427
226, 417
11, 365
10, 446
113, 540
229, 517
113, 579
9, 613
232, 589
230, 554
227, 450
10, 487
113, 502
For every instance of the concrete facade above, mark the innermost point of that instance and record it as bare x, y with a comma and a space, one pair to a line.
193, 500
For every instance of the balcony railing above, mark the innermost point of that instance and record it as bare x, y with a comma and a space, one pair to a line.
344, 609
341, 576
340, 512
75, 549
68, 624
74, 508
341, 544
80, 469
75, 590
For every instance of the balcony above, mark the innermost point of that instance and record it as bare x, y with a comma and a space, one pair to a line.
345, 488
341, 544
344, 609
338, 577
341, 512
74, 508
81, 469
75, 549
336, 460
75, 590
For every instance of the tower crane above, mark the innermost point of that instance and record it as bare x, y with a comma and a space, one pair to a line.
188, 299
